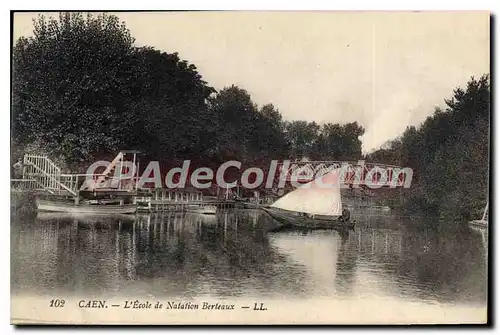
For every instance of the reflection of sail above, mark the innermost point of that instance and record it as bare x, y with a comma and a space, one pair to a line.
484, 238
175, 255
162, 255
320, 260
483, 232
318, 197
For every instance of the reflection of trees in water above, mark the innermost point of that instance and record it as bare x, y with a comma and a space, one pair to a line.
33, 262
231, 254
445, 264
448, 262
173, 254
224, 254
346, 264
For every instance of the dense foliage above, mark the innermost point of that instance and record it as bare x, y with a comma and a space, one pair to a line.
82, 90
449, 153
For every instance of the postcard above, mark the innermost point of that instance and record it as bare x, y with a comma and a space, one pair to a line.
250, 168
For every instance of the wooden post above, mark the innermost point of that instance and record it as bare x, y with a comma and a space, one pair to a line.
51, 174
46, 179
133, 163
120, 173
137, 176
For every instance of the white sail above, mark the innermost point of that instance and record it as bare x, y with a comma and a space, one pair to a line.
485, 213
318, 197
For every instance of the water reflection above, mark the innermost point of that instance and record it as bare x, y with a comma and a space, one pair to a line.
231, 254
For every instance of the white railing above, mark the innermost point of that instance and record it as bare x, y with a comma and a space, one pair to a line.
41, 173
46, 174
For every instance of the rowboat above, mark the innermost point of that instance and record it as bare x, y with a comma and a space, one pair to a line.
82, 217
203, 209
69, 206
290, 219
315, 205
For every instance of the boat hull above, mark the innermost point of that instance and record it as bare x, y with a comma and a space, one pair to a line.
481, 224
251, 205
293, 220
70, 207
205, 210
82, 217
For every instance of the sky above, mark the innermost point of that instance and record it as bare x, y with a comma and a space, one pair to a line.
385, 70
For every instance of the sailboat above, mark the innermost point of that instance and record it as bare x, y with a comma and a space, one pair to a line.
315, 205
483, 222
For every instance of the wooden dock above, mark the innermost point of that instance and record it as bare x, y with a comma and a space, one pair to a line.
40, 175
168, 200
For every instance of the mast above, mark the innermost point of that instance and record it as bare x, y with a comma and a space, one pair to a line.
485, 212
137, 176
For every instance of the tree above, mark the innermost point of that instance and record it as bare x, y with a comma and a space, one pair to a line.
81, 89
68, 88
302, 136
170, 104
235, 114
449, 154
269, 134
339, 142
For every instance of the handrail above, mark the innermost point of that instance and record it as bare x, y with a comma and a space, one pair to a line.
340, 162
47, 175
80, 175
47, 159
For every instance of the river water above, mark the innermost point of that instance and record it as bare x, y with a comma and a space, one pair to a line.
231, 255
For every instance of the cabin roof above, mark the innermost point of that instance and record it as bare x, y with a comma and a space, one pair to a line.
130, 151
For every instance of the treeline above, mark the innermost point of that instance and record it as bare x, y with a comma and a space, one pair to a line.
449, 154
83, 91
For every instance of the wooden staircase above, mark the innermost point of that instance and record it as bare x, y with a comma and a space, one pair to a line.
40, 173
43, 174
